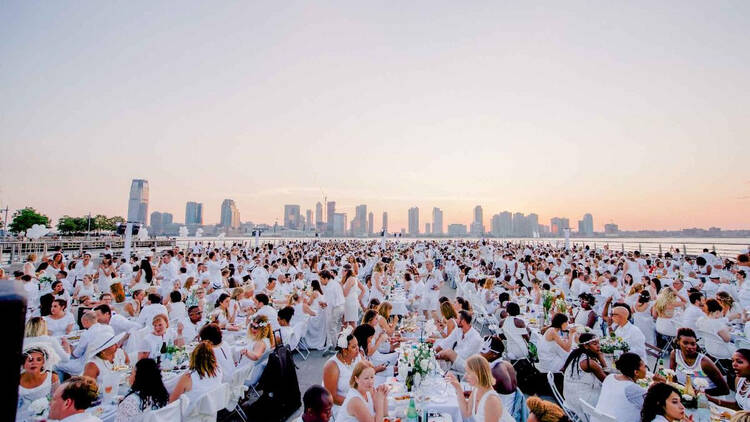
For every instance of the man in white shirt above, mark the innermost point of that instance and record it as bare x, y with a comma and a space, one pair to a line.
334, 298
610, 290
151, 310
119, 323
71, 399
261, 304
629, 332
78, 357
460, 344
694, 310
188, 328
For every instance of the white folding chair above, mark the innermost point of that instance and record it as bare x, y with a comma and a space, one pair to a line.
595, 415
237, 389
208, 405
174, 411
297, 341
560, 399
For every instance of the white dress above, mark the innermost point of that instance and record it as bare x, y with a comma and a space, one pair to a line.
579, 384
28, 395
202, 385
344, 415
551, 356
57, 327
743, 398
315, 338
345, 373
351, 304
478, 411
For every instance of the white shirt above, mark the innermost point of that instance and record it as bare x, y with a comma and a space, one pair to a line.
81, 417
691, 315
334, 294
466, 344
121, 324
271, 314
635, 339
148, 313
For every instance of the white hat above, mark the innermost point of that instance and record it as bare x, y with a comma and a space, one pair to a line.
102, 341
51, 358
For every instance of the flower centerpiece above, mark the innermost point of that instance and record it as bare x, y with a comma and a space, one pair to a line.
613, 345
45, 282
548, 299
416, 359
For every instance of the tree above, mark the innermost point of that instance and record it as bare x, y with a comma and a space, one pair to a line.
23, 219
67, 225
113, 221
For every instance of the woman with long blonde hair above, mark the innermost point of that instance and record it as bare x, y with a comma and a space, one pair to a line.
261, 339
665, 312
204, 375
484, 404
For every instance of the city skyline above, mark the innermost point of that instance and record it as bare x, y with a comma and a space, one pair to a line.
632, 112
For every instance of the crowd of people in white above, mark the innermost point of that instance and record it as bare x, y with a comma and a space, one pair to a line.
518, 312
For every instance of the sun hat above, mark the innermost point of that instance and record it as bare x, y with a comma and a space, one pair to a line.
102, 341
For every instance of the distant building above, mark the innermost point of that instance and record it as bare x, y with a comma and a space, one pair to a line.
292, 217
506, 224
370, 223
318, 213
532, 221
359, 222
385, 221
156, 226
611, 228
519, 225
330, 211
309, 225
427, 230
230, 215
586, 225
456, 230
414, 221
477, 226
437, 221
194, 213
138, 202
557, 224
339, 224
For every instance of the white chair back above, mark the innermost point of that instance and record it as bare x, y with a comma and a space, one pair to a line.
174, 411
208, 405
595, 415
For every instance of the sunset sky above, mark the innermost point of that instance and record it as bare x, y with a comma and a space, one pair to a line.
637, 112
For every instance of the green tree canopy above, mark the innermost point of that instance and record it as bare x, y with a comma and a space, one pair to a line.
23, 219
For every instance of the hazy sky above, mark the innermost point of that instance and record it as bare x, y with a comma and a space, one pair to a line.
638, 112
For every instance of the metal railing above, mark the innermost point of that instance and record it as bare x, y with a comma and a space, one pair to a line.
16, 251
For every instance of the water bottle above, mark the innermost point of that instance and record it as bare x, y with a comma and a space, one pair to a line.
411, 413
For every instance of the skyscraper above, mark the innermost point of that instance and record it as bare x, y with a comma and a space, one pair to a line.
437, 221
138, 202
309, 220
156, 226
318, 212
557, 224
359, 222
477, 226
230, 215
414, 221
427, 229
586, 225
292, 217
519, 224
330, 211
339, 224
506, 223
370, 223
194, 213
385, 221
533, 224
